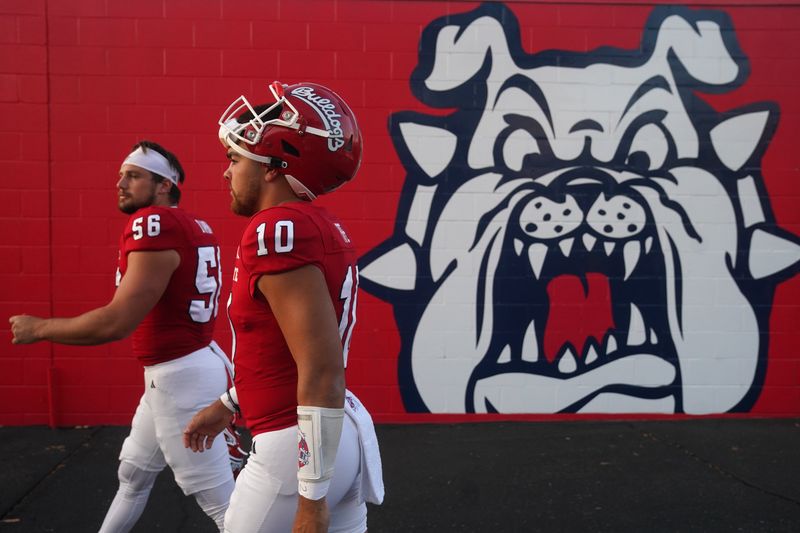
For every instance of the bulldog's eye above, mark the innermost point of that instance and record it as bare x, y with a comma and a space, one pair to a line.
648, 149
517, 147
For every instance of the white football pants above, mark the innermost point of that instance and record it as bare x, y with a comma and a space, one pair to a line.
174, 392
265, 497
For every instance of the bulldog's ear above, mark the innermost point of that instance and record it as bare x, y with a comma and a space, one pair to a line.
703, 44
461, 52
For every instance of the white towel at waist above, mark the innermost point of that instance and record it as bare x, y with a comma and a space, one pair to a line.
372, 489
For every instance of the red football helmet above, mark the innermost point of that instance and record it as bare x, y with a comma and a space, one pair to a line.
236, 455
309, 132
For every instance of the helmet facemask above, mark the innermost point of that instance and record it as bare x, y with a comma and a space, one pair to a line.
251, 131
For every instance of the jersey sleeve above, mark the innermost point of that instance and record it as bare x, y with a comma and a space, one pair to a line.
278, 240
152, 229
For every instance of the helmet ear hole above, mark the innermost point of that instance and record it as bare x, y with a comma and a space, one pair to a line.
348, 146
289, 149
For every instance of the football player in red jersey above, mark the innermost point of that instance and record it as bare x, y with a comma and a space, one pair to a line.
314, 460
168, 284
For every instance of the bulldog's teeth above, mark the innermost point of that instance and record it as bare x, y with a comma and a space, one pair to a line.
530, 345
611, 345
630, 253
648, 243
566, 246
609, 247
653, 337
536, 253
636, 331
567, 364
518, 246
505, 355
591, 355
588, 241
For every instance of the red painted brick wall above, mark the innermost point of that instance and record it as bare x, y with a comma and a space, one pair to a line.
82, 80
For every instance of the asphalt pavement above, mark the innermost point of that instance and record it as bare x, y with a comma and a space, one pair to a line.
702, 475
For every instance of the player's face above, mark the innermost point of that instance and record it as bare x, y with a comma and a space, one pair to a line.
136, 188
245, 177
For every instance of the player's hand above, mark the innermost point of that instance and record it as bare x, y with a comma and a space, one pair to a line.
205, 426
23, 328
312, 516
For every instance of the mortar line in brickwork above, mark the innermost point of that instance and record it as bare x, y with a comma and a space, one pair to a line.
51, 363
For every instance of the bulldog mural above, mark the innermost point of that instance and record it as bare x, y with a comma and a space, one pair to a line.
582, 233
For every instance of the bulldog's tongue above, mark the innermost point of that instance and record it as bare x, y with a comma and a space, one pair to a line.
575, 314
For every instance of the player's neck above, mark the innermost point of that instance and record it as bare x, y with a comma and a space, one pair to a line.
276, 193
163, 201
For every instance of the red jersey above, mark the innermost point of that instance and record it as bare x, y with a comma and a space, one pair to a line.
277, 240
183, 319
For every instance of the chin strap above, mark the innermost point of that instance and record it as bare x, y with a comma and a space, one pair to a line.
299, 189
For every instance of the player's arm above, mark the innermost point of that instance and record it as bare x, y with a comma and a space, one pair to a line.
204, 426
302, 306
144, 283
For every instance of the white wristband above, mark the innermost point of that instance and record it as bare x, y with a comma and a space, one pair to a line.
318, 432
313, 490
230, 400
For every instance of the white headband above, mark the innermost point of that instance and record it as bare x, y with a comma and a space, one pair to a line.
152, 161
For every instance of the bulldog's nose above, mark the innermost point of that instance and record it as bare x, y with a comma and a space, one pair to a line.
616, 217
545, 218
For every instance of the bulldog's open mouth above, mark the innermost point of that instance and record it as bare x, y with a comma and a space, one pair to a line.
586, 270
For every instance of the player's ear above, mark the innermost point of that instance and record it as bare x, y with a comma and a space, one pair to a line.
270, 174
164, 186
